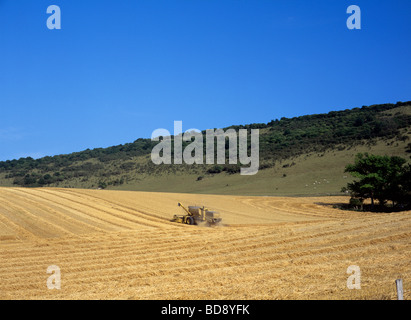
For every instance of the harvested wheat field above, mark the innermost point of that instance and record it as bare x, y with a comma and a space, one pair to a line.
122, 245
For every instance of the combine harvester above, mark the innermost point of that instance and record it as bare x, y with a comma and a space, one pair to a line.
198, 215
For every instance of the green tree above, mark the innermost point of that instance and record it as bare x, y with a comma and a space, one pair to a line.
380, 177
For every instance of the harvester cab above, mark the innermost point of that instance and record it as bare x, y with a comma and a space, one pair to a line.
197, 215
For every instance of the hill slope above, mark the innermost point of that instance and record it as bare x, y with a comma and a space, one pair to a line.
302, 155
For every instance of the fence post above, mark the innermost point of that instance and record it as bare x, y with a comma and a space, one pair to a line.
400, 291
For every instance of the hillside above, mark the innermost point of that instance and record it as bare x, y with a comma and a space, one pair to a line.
298, 156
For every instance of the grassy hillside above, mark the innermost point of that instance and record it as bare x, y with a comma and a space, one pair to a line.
299, 156
308, 174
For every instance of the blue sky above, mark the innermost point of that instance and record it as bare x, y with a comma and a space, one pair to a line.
118, 70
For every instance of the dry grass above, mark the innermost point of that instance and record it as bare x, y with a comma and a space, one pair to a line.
121, 245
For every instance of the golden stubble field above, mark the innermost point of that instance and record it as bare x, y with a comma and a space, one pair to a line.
122, 245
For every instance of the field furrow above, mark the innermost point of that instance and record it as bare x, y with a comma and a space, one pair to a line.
122, 245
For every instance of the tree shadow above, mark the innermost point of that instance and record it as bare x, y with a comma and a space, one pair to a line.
376, 208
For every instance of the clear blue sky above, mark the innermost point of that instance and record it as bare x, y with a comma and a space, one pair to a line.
118, 70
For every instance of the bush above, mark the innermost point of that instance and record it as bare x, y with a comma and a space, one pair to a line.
215, 169
356, 203
102, 185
